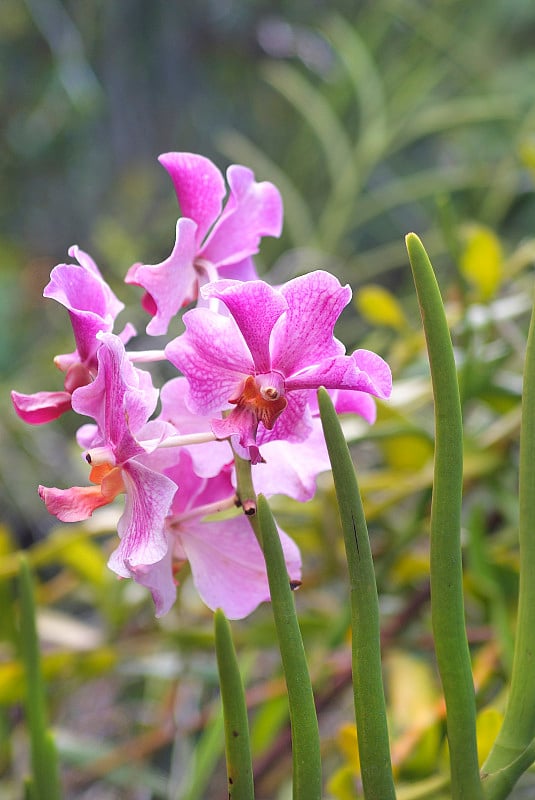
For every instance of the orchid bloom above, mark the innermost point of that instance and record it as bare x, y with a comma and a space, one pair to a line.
120, 399
212, 240
226, 561
92, 307
263, 360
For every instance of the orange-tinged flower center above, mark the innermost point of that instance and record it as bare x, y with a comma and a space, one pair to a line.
263, 398
109, 478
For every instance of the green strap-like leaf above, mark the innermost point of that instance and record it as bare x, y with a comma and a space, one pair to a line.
447, 600
45, 772
304, 722
370, 713
514, 744
237, 745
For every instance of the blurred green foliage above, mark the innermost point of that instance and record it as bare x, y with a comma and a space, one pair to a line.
373, 118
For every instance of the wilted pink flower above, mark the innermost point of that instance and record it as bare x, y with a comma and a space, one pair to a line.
120, 399
265, 358
212, 240
93, 308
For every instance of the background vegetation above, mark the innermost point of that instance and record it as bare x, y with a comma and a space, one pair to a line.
373, 118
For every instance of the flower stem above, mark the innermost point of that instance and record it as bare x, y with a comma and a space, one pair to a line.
44, 783
514, 745
368, 692
303, 718
447, 601
237, 742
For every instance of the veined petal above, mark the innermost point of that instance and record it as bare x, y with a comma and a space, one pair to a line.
120, 399
255, 306
214, 358
304, 334
208, 458
252, 210
241, 271
294, 424
74, 504
91, 305
199, 188
291, 468
228, 566
141, 527
343, 372
172, 283
158, 578
41, 407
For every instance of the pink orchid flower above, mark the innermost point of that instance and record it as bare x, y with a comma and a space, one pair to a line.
120, 399
226, 561
266, 357
212, 240
93, 308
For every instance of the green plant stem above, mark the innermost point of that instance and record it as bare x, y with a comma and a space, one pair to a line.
307, 782
237, 742
517, 733
447, 601
368, 691
44, 784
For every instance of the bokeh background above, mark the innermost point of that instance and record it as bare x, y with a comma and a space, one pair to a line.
373, 119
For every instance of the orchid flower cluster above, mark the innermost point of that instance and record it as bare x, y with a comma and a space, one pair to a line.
248, 365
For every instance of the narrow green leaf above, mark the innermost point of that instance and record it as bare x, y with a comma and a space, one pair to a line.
514, 744
447, 600
368, 691
45, 778
307, 782
237, 742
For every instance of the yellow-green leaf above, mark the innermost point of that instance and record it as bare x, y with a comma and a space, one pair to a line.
481, 261
379, 307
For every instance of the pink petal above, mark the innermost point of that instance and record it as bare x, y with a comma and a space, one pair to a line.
158, 578
213, 357
208, 458
141, 527
172, 283
41, 407
291, 468
342, 372
241, 271
92, 306
256, 307
120, 399
228, 566
74, 504
304, 334
199, 187
377, 369
294, 424
252, 210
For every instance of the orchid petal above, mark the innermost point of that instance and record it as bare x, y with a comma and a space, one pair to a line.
174, 282
87, 299
241, 271
141, 527
252, 210
255, 306
208, 458
74, 504
120, 399
213, 357
199, 187
158, 578
342, 372
304, 334
41, 407
228, 566
291, 468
